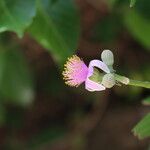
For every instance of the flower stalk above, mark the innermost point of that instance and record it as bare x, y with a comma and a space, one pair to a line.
123, 79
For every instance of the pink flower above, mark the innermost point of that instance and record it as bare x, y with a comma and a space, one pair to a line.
76, 72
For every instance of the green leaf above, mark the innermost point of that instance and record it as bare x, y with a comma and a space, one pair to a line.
56, 27
15, 79
139, 27
16, 15
132, 3
146, 101
142, 129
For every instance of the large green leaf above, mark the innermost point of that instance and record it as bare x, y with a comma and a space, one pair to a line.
139, 27
142, 129
15, 79
56, 27
16, 15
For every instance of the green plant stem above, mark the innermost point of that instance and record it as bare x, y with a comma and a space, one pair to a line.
127, 81
144, 84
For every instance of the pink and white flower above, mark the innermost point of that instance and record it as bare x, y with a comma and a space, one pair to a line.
76, 72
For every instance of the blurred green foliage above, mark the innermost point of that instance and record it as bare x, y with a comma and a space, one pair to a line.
55, 24
56, 27
138, 23
49, 22
16, 15
142, 129
15, 80
132, 3
139, 27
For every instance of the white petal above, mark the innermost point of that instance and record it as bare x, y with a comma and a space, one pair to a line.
93, 86
99, 64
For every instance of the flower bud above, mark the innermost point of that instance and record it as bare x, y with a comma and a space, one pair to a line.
108, 80
107, 57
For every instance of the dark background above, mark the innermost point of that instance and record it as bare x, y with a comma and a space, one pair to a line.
64, 118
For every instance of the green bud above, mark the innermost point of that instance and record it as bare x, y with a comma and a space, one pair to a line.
107, 57
108, 80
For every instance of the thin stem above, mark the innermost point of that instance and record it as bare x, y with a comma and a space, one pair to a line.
144, 84
127, 81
